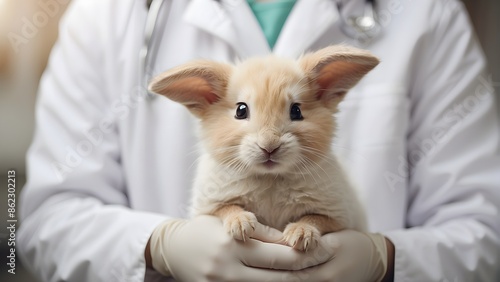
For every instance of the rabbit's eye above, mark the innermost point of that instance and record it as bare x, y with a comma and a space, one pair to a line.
295, 113
241, 111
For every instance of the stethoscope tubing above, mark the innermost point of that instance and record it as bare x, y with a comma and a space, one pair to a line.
154, 7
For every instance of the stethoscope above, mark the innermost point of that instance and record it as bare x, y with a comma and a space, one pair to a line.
362, 28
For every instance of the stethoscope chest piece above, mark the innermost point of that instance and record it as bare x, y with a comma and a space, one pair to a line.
363, 28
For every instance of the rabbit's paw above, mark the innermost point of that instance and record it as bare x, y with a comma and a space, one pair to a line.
240, 225
301, 236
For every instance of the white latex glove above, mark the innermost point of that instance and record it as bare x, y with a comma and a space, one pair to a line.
200, 249
357, 257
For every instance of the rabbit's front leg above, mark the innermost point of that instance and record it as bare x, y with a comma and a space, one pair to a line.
305, 233
238, 222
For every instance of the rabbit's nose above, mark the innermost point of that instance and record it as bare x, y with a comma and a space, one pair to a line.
268, 141
269, 150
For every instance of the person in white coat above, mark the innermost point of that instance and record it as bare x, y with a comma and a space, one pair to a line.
419, 136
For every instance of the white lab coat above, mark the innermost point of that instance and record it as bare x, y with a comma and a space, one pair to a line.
419, 135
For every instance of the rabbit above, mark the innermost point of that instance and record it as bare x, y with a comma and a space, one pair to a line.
266, 129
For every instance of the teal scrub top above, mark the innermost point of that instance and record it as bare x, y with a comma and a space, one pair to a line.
271, 16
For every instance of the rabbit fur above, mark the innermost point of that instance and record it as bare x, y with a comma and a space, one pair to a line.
274, 164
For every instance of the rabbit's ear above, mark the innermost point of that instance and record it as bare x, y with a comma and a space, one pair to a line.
196, 85
336, 69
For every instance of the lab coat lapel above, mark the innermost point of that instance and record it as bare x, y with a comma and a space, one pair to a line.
231, 21
308, 20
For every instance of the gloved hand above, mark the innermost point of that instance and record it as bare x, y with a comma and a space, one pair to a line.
200, 249
357, 257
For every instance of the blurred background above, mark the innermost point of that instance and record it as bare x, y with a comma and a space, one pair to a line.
28, 29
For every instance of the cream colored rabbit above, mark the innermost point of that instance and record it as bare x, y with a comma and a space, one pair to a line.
267, 127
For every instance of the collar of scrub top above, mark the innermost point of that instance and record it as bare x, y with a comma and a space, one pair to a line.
224, 19
355, 17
